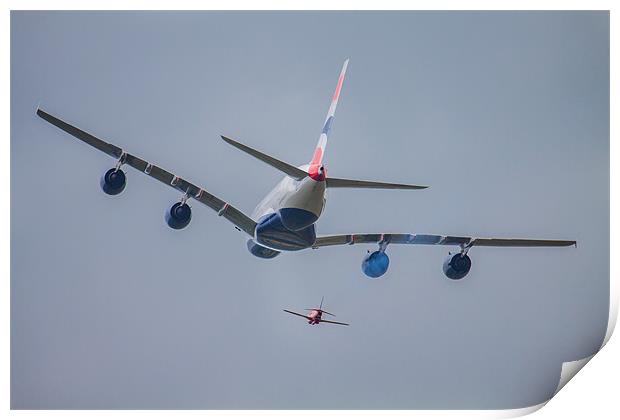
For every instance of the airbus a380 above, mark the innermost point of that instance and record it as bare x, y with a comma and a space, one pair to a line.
285, 220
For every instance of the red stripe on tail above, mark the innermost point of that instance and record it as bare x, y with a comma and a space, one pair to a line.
317, 157
338, 87
314, 171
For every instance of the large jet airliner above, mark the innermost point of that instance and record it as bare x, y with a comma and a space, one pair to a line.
285, 219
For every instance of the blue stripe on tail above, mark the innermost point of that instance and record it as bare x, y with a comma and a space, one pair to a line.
328, 125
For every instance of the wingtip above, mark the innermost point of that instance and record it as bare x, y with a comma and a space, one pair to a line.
412, 186
227, 139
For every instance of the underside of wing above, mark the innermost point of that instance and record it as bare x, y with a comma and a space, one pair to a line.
222, 208
333, 322
424, 239
295, 313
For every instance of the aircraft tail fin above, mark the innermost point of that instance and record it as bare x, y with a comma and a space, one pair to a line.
287, 168
315, 170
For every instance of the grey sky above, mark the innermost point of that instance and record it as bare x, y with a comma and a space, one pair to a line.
504, 115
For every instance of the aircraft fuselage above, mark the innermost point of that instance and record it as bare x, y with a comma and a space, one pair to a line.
286, 216
315, 317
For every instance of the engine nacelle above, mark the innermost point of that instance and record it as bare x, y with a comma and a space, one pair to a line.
179, 215
261, 251
376, 264
113, 181
456, 266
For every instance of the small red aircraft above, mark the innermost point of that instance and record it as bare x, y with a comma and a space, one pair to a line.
314, 317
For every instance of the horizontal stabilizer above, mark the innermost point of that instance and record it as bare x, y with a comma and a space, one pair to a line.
319, 309
288, 169
354, 183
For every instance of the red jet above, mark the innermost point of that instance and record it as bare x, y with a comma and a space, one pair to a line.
314, 317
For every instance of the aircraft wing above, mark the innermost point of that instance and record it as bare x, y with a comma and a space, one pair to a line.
332, 322
423, 239
222, 208
295, 313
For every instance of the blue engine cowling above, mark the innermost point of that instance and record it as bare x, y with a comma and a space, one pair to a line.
179, 215
376, 264
456, 266
270, 231
297, 219
113, 181
260, 251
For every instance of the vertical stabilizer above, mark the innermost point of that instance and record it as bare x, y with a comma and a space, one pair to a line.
315, 169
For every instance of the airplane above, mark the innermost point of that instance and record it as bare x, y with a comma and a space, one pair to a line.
285, 220
314, 317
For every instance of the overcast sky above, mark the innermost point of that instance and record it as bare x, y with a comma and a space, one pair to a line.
504, 115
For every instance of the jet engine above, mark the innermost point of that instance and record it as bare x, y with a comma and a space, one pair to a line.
113, 181
375, 264
261, 251
179, 215
456, 266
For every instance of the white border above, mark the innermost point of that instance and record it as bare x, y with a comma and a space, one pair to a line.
569, 368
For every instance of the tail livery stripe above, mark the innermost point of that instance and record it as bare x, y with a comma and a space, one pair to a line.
338, 87
322, 141
317, 157
328, 125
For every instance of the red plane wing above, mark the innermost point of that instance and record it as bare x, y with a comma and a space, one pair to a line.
333, 322
295, 313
